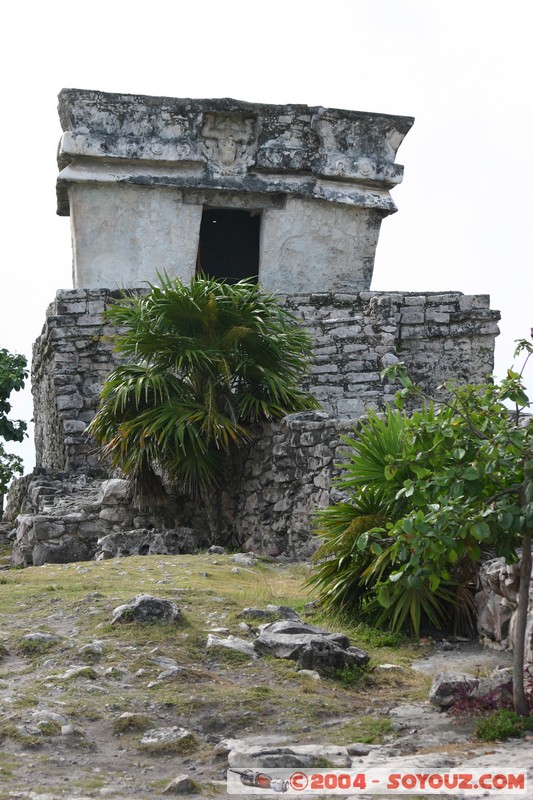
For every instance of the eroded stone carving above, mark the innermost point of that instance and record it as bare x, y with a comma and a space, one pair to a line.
227, 139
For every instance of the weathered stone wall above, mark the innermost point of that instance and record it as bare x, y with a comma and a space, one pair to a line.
63, 517
267, 503
71, 358
497, 606
272, 489
283, 479
439, 336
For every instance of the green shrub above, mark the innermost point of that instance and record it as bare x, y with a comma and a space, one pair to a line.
359, 567
502, 725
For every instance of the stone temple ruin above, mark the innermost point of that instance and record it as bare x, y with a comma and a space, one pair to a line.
291, 196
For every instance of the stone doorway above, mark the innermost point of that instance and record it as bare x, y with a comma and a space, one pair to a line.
229, 244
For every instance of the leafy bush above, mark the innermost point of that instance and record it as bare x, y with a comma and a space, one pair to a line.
358, 567
13, 374
427, 493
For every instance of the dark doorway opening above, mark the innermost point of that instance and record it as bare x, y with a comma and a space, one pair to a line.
229, 245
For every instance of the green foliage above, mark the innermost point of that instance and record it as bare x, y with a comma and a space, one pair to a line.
13, 373
364, 729
352, 676
502, 725
428, 492
205, 361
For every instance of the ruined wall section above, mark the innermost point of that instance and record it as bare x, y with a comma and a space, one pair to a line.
71, 359
445, 336
284, 478
439, 336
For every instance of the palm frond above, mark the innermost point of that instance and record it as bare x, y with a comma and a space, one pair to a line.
205, 360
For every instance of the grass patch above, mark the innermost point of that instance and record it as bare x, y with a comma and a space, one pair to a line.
261, 692
34, 647
365, 729
131, 722
49, 728
16, 735
502, 725
353, 676
218, 690
363, 635
90, 783
224, 655
6, 765
84, 711
84, 672
182, 746
27, 700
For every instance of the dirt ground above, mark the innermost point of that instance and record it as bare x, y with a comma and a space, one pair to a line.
65, 697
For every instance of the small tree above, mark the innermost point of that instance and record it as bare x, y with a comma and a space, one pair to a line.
456, 477
204, 362
12, 376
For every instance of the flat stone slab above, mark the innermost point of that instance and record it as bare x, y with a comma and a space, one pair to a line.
287, 638
281, 757
231, 643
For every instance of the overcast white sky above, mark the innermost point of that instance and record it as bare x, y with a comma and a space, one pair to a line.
462, 68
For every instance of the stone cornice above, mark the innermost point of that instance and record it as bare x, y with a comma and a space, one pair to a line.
329, 154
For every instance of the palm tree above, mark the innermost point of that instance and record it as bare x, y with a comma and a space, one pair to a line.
203, 362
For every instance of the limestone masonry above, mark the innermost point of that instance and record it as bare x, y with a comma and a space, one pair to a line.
439, 336
290, 196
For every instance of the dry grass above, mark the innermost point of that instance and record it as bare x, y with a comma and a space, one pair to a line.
214, 690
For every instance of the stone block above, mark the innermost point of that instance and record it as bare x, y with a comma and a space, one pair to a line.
412, 317
437, 316
69, 402
117, 515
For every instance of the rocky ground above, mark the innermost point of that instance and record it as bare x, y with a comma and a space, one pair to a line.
91, 708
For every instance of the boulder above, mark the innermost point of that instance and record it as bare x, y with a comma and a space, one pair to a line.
245, 559
146, 608
41, 638
283, 612
114, 491
69, 549
216, 550
448, 686
497, 605
180, 785
172, 739
256, 756
92, 651
327, 657
45, 715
